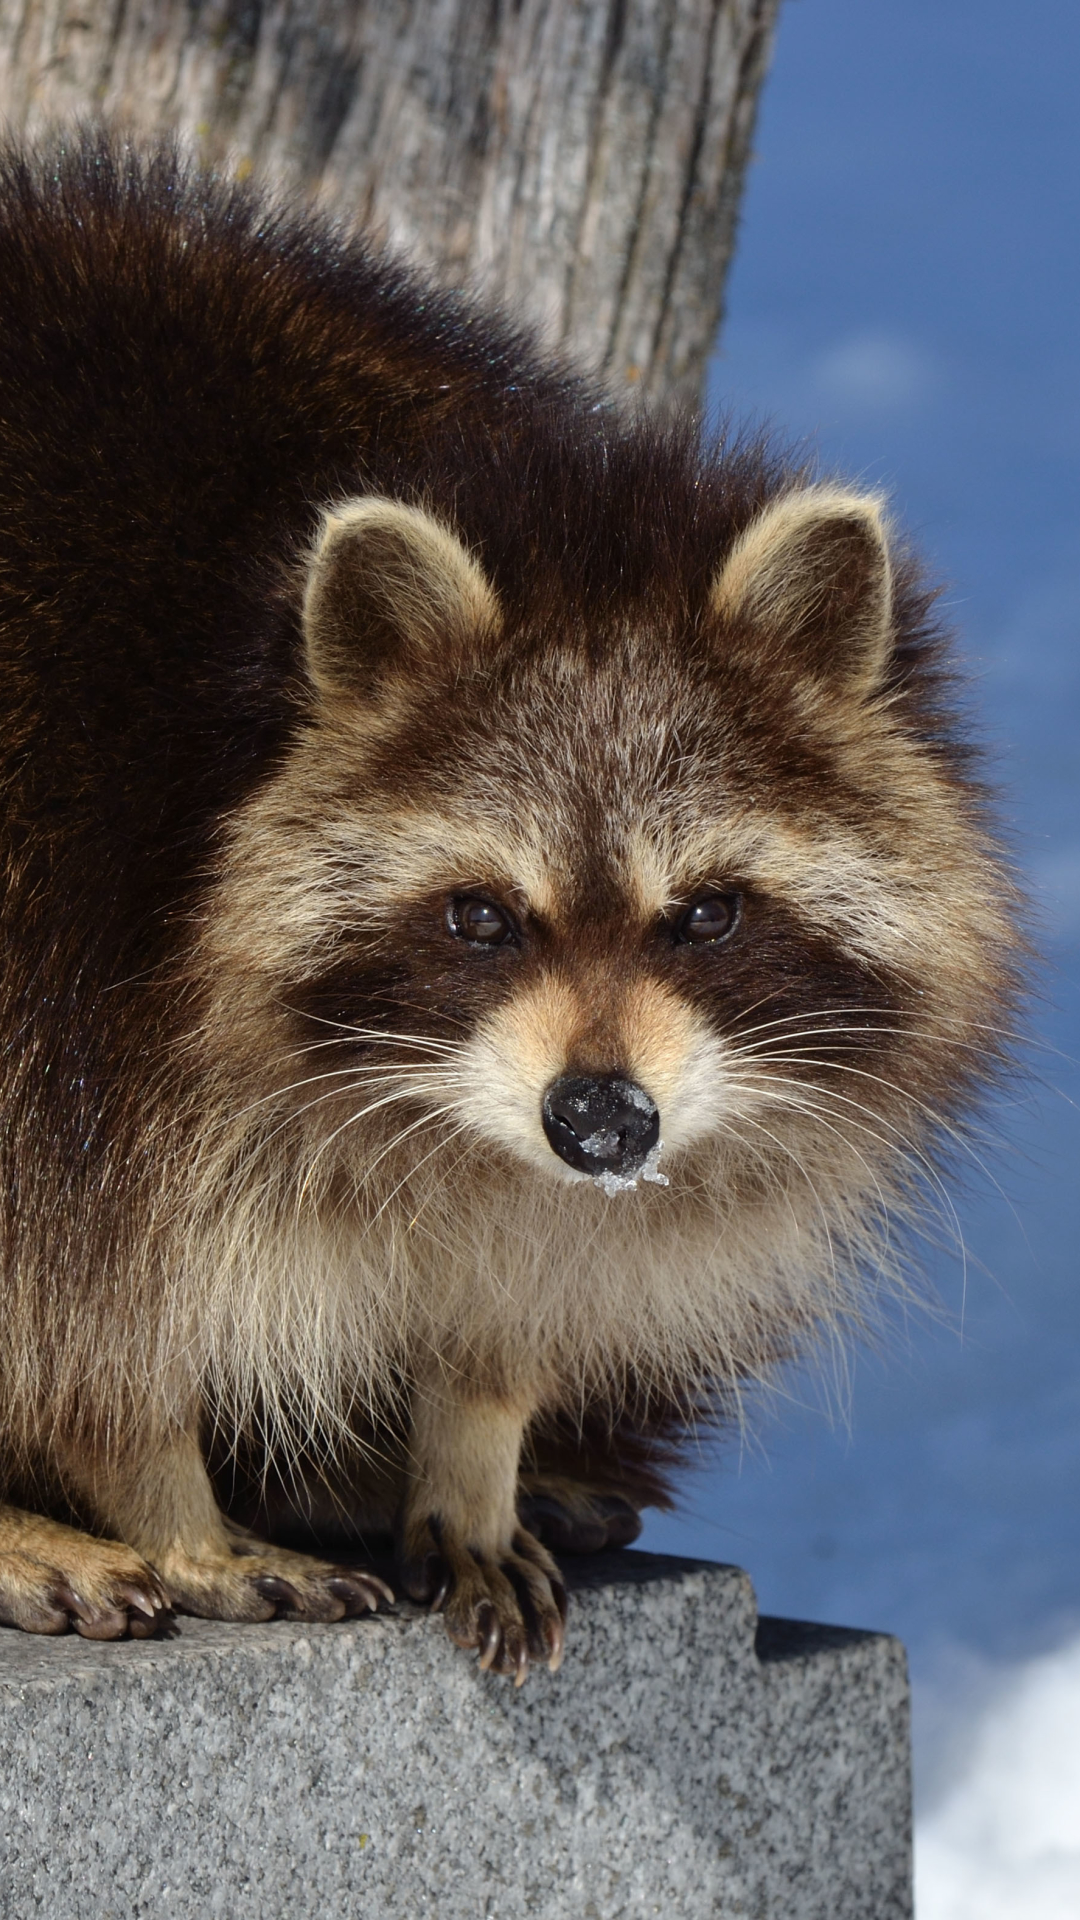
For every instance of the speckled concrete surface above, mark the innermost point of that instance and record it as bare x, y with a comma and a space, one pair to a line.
369, 1770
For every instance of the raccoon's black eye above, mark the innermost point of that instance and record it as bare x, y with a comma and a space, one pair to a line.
711, 918
477, 921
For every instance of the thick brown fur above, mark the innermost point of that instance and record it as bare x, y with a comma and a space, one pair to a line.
324, 603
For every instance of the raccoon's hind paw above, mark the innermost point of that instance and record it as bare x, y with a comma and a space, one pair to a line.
510, 1606
573, 1517
255, 1581
100, 1588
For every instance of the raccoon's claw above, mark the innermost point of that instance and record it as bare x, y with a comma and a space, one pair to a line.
256, 1581
511, 1608
284, 1595
99, 1588
133, 1613
490, 1634
361, 1592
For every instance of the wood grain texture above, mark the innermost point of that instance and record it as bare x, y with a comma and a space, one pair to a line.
580, 159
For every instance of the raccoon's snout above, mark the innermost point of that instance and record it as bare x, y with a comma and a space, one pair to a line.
601, 1125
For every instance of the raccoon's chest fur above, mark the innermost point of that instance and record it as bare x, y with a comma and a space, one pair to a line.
489, 884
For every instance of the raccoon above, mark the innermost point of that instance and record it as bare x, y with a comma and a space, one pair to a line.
499, 923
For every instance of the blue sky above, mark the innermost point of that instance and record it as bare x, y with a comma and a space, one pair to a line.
905, 294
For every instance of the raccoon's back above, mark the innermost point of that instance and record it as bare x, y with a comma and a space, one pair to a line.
185, 379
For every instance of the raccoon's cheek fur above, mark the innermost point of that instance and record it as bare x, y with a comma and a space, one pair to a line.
656, 1078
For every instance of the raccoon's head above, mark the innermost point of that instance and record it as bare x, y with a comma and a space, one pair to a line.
681, 890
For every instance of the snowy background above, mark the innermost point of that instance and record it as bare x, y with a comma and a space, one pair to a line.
906, 293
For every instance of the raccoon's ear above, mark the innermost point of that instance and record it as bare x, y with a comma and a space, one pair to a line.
389, 591
812, 574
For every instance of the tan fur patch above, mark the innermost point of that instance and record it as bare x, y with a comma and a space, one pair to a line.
465, 1451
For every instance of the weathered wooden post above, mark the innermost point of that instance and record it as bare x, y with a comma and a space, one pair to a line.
583, 159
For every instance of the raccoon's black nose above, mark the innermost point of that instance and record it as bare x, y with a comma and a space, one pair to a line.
602, 1125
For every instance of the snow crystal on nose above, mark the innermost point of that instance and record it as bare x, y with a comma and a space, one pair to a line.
604, 1145
636, 1095
612, 1183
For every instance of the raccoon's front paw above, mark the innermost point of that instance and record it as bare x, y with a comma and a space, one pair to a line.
574, 1517
256, 1581
510, 1606
102, 1589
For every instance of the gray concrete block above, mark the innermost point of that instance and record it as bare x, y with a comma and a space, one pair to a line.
688, 1761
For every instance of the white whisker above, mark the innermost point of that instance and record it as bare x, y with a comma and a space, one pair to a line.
793, 1156
346, 1030
355, 1075
370, 1165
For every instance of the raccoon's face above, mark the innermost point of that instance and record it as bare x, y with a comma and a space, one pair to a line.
607, 903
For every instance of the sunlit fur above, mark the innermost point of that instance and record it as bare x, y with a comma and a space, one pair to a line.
787, 1140
324, 603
